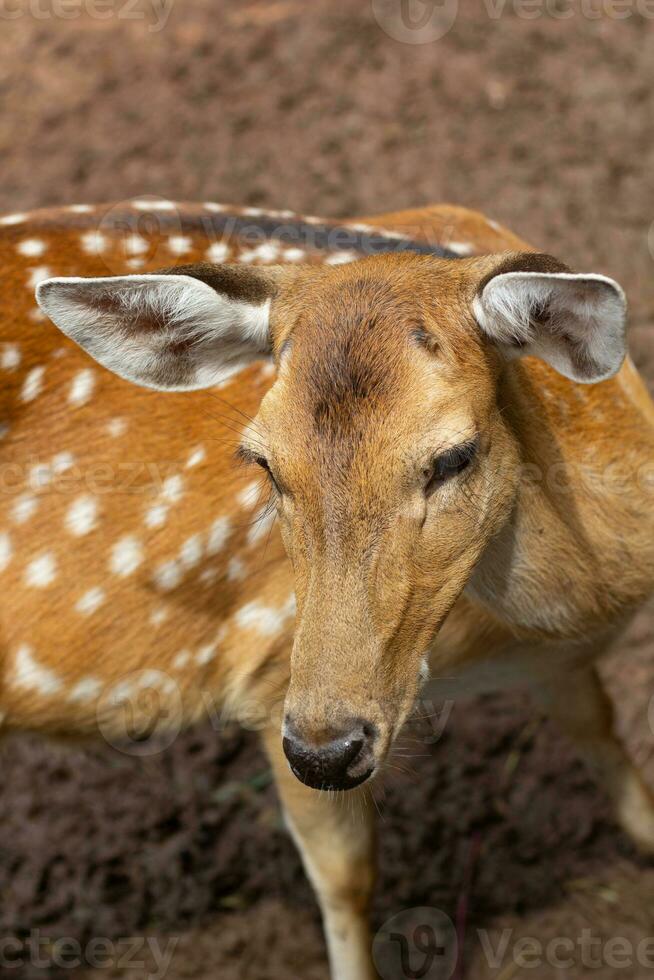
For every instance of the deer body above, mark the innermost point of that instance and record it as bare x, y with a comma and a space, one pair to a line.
135, 555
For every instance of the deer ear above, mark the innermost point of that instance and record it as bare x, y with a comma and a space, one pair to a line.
533, 305
167, 331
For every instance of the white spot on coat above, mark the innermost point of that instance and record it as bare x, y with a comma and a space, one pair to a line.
218, 252
33, 676
10, 357
40, 476
154, 678
218, 534
81, 515
197, 456
235, 570
32, 384
93, 242
82, 387
156, 515
116, 427
340, 258
13, 219
135, 245
168, 575
173, 488
294, 254
126, 556
31, 247
266, 252
120, 692
85, 690
42, 571
181, 659
205, 654
38, 275
6, 550
153, 205
191, 551
62, 462
208, 576
90, 601
460, 248
261, 618
159, 616
179, 244
24, 507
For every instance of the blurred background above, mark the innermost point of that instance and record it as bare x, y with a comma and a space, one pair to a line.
538, 114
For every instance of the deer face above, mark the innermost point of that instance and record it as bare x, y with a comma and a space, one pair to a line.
383, 439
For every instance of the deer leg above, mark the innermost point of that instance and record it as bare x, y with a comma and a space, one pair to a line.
581, 707
334, 834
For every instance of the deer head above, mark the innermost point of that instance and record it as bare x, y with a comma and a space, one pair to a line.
390, 460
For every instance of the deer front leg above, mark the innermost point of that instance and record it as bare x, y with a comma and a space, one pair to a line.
334, 834
581, 707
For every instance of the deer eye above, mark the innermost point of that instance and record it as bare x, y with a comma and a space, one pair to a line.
448, 465
265, 465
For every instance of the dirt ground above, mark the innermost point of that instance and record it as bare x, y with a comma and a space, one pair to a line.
546, 125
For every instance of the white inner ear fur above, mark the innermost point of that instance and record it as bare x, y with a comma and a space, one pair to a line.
169, 332
574, 322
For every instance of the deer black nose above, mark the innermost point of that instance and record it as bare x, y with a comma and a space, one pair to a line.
340, 760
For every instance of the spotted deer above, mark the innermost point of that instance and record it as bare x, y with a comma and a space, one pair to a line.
457, 458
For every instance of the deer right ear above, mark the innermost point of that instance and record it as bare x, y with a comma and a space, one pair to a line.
531, 304
167, 331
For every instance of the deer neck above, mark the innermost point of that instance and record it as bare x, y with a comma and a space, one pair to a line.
545, 571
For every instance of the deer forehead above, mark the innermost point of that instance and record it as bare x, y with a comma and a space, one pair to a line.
372, 367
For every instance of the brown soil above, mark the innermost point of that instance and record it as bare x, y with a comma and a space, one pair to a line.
546, 126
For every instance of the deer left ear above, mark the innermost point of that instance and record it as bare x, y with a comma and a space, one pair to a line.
177, 330
537, 307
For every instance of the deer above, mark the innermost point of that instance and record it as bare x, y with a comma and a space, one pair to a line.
311, 477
